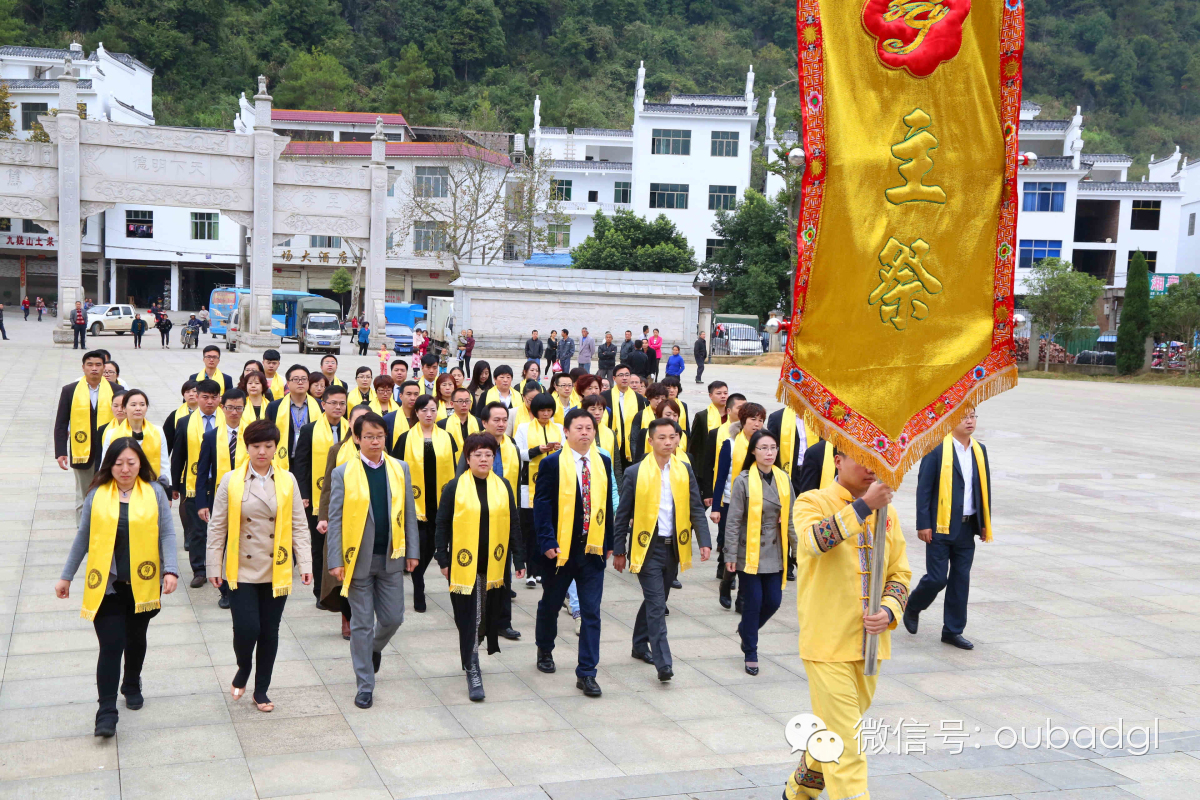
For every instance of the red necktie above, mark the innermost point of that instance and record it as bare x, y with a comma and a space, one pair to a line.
586, 477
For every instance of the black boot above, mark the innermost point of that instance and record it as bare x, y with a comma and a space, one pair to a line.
474, 680
726, 597
106, 718
133, 694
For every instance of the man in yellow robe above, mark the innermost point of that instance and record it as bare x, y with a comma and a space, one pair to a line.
835, 526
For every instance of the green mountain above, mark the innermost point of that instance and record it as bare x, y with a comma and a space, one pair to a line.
1133, 65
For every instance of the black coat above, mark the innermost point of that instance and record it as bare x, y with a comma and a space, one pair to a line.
775, 425
62, 426
702, 450
928, 480
638, 363
606, 356
545, 509
809, 476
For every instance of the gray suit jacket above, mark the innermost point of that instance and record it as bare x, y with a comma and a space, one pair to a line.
621, 538
333, 537
770, 557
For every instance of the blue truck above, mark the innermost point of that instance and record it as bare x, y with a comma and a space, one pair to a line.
401, 319
289, 311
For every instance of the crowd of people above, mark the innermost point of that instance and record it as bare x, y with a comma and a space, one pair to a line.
349, 485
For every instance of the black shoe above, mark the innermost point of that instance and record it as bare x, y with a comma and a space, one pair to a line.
133, 696
545, 661
666, 611
791, 573
726, 601
512, 594
509, 633
106, 726
474, 681
198, 581
419, 602
643, 656
958, 641
589, 686
751, 670
321, 606
363, 700
223, 601
375, 659
910, 621
675, 584
665, 674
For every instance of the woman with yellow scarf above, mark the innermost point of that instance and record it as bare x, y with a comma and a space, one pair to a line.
431, 455
477, 529
751, 417
257, 535
258, 396
535, 440
148, 435
129, 540
758, 531
383, 402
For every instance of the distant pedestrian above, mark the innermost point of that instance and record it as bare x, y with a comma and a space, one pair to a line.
654, 352
41, 306
79, 327
587, 350
364, 338
700, 353
675, 362
25, 306
203, 317
137, 328
626, 348
468, 346
639, 362
164, 330
2, 331
566, 349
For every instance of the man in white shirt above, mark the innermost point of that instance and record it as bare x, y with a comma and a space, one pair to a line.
655, 555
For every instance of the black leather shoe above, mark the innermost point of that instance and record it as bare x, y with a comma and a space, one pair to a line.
106, 726
321, 606
791, 573
419, 602
475, 681
958, 641
589, 686
751, 670
512, 594
510, 633
363, 700
675, 584
545, 661
223, 601
910, 621
198, 581
644, 655
666, 611
376, 658
133, 697
726, 601
665, 674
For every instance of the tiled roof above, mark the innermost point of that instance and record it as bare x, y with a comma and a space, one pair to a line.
36, 52
701, 98
1053, 162
41, 83
620, 166
1127, 186
1107, 158
695, 110
129, 61
342, 117
137, 111
619, 132
1026, 105
395, 150
549, 129
1048, 125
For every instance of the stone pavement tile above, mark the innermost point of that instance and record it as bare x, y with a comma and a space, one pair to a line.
512, 717
301, 701
1076, 774
96, 785
51, 757
1095, 708
638, 676
377, 793
286, 675
435, 768
547, 756
54, 642
1097, 793
561, 683
48, 722
445, 663
617, 709
500, 687
670, 784
394, 723
901, 787
1166, 701
48, 692
201, 780
1164, 790
998, 682
1157, 767
392, 695
966, 783
641, 749
789, 695
732, 670
703, 701
163, 746
751, 733
269, 737
1173, 644
1169, 671
510, 793
169, 712
998, 711
220, 652
706, 647
304, 773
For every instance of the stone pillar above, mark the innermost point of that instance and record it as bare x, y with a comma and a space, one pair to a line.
258, 327
174, 285
377, 248
24, 284
408, 287
239, 278
304, 279
70, 265
112, 281
101, 282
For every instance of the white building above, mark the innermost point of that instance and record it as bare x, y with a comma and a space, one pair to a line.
684, 159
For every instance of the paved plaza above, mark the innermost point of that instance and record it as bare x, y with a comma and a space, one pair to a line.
1085, 611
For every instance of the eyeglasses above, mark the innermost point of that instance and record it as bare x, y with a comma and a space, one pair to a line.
374, 437
971, 416
297, 379
766, 448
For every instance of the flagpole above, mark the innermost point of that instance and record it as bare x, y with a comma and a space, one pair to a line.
875, 590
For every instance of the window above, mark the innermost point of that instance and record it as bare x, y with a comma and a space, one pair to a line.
559, 235
1191, 224
429, 237
204, 225
669, 142
722, 197
1145, 215
139, 224
668, 195
724, 144
5, 225
433, 181
29, 226
560, 189
622, 191
1151, 260
29, 114
593, 196
325, 242
711, 247
1044, 196
1034, 250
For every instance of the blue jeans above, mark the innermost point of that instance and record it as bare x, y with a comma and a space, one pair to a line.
761, 596
573, 599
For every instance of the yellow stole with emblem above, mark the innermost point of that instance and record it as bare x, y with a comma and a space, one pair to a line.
646, 499
358, 503
281, 565
464, 542
322, 440
219, 378
754, 505
151, 443
195, 437
81, 417
400, 426
283, 418
598, 498
622, 419
144, 558
414, 455
455, 428
946, 484
536, 436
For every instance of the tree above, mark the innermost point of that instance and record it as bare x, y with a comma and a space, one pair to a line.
313, 80
1135, 318
12, 27
755, 262
1060, 299
39, 134
408, 89
7, 125
1176, 314
626, 242
341, 281
475, 33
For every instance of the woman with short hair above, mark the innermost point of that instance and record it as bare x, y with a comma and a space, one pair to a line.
258, 393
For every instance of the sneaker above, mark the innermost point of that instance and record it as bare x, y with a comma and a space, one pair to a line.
578, 624
530, 583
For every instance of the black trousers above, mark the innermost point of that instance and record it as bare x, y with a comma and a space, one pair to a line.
120, 633
533, 559
318, 551
137, 340
256, 615
195, 532
699, 370
466, 365
362, 348
948, 566
79, 336
478, 620
425, 529
166, 337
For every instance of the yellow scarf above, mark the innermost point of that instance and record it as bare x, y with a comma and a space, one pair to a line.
152, 440
828, 468
144, 558
683, 414
81, 418
510, 462
560, 411
607, 440
787, 440
322, 440
283, 419
378, 408
334, 381
278, 386
464, 543
354, 397
754, 515
257, 411
680, 448
622, 420
455, 428
737, 455
400, 426
574, 398
444, 411
945, 488
281, 569
222, 443
219, 378
523, 415
537, 435
713, 420
646, 499
566, 503
493, 396
358, 503
414, 454
195, 436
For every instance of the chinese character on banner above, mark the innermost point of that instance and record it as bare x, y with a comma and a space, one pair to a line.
1158, 283
1172, 280
914, 152
902, 277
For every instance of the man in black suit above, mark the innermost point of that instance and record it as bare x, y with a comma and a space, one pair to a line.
585, 569
208, 476
619, 419
303, 467
185, 460
65, 433
948, 554
301, 409
188, 393
212, 360
702, 438
794, 449
812, 474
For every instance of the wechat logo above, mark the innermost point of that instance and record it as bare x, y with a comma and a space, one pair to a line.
808, 732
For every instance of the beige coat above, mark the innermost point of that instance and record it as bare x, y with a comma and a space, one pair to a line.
256, 549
